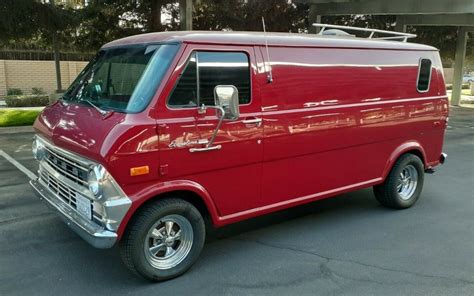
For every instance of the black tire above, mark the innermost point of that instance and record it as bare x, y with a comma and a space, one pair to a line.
133, 243
389, 195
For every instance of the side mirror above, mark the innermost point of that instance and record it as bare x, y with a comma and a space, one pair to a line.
227, 97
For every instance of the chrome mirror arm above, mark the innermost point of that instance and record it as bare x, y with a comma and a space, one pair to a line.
202, 110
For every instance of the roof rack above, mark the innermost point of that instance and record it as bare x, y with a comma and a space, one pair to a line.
393, 35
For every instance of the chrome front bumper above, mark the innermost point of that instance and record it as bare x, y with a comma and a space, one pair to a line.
88, 230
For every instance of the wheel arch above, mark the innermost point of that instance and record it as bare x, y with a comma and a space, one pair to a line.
189, 191
412, 147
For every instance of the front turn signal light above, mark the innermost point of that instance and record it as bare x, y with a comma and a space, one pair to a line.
141, 170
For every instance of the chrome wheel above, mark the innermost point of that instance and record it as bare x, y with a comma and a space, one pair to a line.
168, 242
407, 182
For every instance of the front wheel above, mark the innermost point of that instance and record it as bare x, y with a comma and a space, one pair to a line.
403, 185
163, 240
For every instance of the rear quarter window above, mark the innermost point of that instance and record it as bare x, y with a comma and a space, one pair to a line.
424, 75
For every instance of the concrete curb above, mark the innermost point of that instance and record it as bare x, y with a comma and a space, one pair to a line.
16, 129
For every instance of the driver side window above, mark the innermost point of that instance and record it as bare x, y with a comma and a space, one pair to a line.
207, 69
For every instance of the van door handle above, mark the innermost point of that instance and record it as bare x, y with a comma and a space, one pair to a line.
217, 147
257, 121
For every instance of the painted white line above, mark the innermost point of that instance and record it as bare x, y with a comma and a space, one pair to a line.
20, 148
18, 165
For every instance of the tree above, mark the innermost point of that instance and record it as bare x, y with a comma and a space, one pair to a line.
237, 15
42, 19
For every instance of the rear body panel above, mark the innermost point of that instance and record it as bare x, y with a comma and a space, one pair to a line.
333, 117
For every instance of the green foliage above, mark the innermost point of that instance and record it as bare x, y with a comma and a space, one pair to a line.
29, 19
14, 92
13, 23
27, 101
18, 117
236, 15
104, 21
38, 91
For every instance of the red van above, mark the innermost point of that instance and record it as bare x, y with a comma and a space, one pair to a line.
164, 131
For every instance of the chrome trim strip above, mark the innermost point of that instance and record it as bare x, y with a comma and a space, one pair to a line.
265, 112
217, 147
299, 199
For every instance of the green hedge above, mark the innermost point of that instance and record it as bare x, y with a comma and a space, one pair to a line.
463, 86
27, 101
14, 92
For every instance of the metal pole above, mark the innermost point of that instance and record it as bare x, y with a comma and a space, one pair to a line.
313, 17
461, 44
400, 26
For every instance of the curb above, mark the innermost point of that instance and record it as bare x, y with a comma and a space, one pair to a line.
16, 129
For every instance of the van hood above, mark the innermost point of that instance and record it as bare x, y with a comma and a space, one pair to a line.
77, 127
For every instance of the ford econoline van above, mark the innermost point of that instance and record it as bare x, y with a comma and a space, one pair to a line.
164, 131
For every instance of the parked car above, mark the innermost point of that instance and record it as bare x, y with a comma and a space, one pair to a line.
164, 131
467, 78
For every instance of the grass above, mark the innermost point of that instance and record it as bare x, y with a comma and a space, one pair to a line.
18, 117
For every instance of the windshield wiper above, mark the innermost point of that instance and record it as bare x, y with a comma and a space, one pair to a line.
102, 112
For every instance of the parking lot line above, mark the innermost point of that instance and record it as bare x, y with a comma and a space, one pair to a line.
18, 165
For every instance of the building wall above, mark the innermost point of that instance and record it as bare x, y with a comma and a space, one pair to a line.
448, 75
25, 75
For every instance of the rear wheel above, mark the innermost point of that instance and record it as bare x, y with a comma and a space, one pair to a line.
403, 185
163, 240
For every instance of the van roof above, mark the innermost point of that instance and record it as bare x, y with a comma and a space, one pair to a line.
274, 39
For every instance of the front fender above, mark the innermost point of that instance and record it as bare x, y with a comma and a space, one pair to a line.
400, 150
165, 187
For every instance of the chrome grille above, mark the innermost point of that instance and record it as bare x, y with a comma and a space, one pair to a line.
65, 192
67, 167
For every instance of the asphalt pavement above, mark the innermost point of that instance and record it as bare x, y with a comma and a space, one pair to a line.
347, 245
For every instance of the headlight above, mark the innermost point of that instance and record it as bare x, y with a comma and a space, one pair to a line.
38, 149
95, 179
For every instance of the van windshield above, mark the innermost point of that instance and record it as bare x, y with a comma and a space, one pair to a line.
122, 79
